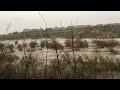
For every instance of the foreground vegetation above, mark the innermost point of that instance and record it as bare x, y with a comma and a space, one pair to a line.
84, 67
67, 66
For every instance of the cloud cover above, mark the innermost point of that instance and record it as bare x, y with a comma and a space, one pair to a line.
31, 19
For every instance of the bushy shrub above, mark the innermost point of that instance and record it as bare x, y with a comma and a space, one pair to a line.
20, 48
24, 45
16, 42
113, 43
106, 43
99, 43
43, 43
80, 44
2, 46
10, 47
33, 44
55, 45
68, 43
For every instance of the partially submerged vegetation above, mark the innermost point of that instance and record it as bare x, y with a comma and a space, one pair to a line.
2, 45
43, 43
16, 42
55, 45
102, 43
20, 47
77, 43
10, 47
66, 65
33, 44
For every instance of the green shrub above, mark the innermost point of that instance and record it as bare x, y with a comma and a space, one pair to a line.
106, 43
113, 43
43, 43
80, 44
55, 45
20, 48
16, 42
2, 46
100, 43
33, 44
68, 43
24, 45
10, 47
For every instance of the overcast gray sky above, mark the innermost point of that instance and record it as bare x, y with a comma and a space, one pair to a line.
30, 19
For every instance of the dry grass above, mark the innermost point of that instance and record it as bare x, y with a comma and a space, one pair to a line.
29, 67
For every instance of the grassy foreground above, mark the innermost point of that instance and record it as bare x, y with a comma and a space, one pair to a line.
82, 67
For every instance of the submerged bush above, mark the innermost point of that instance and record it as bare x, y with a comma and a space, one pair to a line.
16, 42
43, 43
33, 44
68, 43
78, 43
24, 45
10, 47
20, 48
2, 46
99, 43
55, 45
113, 43
105, 43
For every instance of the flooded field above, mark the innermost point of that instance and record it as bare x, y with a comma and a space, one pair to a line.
41, 53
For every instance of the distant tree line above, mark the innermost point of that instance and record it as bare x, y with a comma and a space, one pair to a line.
86, 31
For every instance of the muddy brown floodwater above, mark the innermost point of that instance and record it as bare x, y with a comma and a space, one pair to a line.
40, 54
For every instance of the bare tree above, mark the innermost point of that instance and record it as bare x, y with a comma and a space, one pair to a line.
9, 25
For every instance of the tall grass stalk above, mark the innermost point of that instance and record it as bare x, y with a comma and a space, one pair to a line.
46, 41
